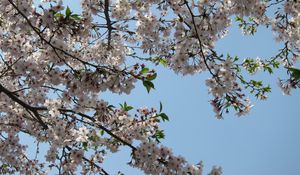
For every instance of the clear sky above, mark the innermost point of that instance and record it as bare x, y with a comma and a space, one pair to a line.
266, 141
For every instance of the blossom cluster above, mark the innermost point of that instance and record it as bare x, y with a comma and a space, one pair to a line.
55, 63
149, 157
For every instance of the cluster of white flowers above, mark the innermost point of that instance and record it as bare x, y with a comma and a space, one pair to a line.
141, 127
101, 55
225, 81
241, 8
149, 158
288, 29
122, 9
55, 63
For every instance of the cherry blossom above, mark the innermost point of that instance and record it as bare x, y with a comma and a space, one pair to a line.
55, 63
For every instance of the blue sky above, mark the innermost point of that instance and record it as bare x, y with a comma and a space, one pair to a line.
264, 142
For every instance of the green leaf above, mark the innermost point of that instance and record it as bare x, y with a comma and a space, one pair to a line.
163, 116
93, 138
125, 107
276, 64
160, 107
148, 85
84, 145
144, 70
110, 107
237, 18
159, 135
163, 62
102, 132
76, 17
236, 58
128, 108
269, 69
267, 89
295, 72
59, 15
68, 12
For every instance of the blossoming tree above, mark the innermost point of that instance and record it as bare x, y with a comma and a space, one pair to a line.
55, 63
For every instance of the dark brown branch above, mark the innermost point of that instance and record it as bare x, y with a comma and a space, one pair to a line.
35, 110
198, 38
92, 163
100, 126
97, 166
37, 31
108, 22
24, 105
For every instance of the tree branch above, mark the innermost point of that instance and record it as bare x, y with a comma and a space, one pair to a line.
108, 22
24, 105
